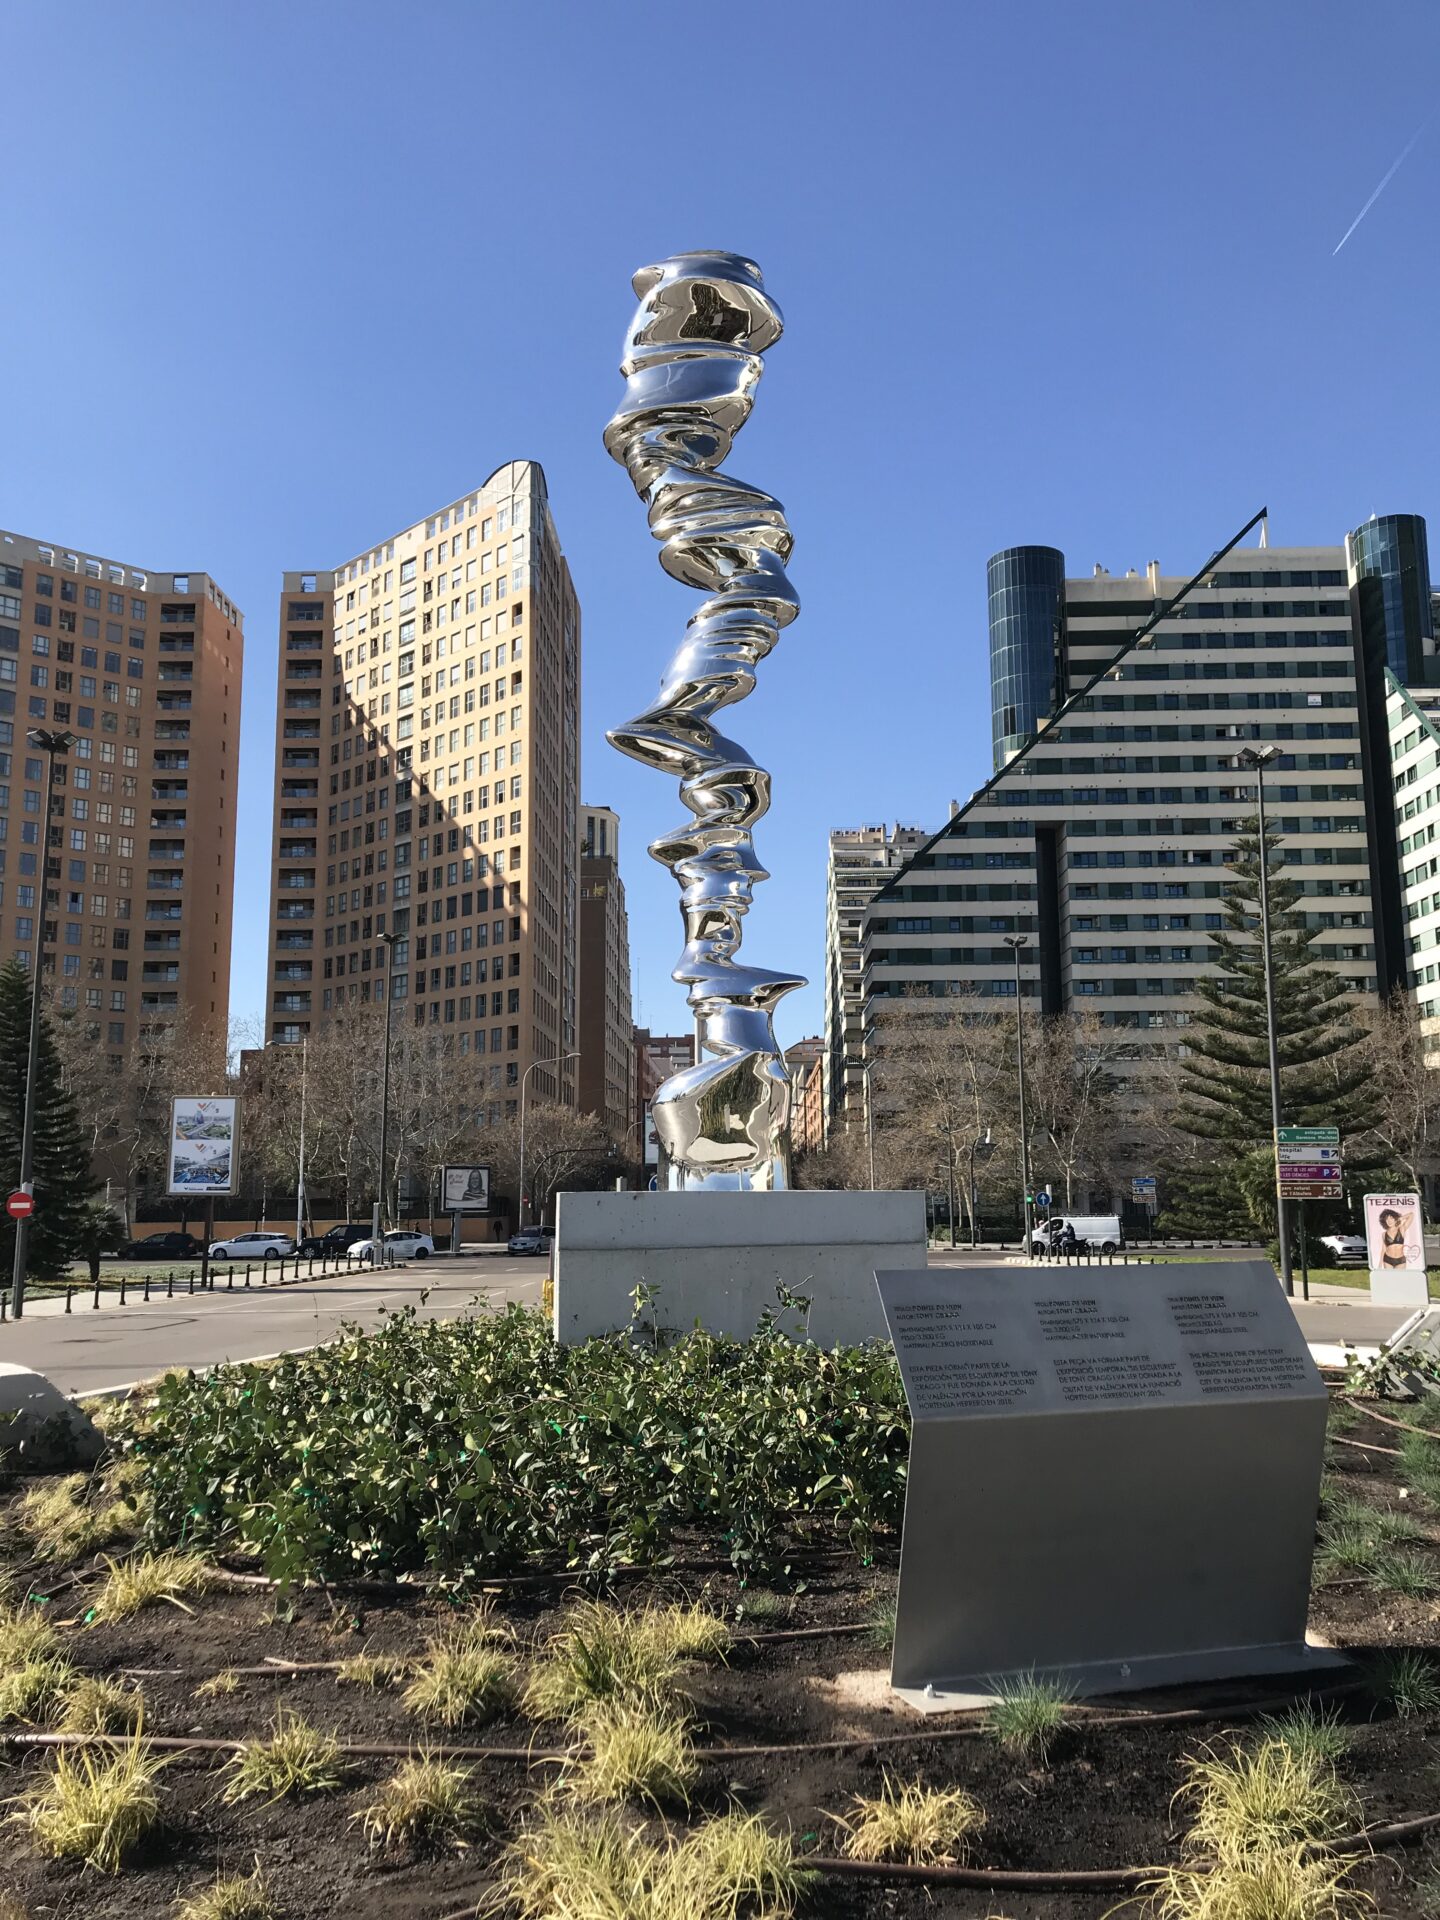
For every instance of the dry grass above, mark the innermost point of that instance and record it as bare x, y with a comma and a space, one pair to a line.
90, 1704
567, 1865
601, 1653
1246, 1801
1286, 1884
296, 1758
80, 1513
638, 1750
12, 1909
912, 1822
233, 1897
463, 1675
226, 1682
426, 1799
32, 1690
145, 1580
377, 1671
25, 1634
95, 1808
686, 1632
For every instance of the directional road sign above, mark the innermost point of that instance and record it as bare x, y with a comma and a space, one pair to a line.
1307, 1136
1298, 1156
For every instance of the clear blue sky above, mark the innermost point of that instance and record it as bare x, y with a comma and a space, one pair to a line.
280, 278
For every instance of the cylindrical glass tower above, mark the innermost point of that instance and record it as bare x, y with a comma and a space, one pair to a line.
1027, 619
1390, 571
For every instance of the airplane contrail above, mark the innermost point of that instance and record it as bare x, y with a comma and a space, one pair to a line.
1385, 182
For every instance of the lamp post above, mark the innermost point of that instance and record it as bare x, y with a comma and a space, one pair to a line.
50, 744
382, 1210
983, 1150
1015, 942
556, 1060
1258, 758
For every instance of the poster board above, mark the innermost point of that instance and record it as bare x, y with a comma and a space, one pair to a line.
1394, 1233
465, 1190
204, 1149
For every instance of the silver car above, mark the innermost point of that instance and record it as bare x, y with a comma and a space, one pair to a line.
253, 1246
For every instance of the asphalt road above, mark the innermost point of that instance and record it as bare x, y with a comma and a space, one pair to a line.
87, 1352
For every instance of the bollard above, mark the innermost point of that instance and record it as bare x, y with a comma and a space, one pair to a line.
170, 1286
147, 1290
247, 1273
95, 1303
4, 1305
122, 1286
264, 1270
230, 1279
68, 1291
192, 1280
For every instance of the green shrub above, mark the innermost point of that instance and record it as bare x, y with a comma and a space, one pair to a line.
462, 1448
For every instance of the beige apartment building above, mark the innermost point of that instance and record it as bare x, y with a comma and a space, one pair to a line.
141, 671
607, 1029
427, 770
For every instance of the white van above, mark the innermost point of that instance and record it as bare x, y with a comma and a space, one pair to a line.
1094, 1233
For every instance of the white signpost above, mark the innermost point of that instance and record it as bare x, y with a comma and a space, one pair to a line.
1113, 1479
1395, 1243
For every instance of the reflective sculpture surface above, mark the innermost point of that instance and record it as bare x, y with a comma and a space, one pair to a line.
691, 366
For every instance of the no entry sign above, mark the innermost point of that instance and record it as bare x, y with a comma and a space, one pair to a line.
20, 1205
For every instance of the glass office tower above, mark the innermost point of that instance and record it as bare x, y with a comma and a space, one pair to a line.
1027, 618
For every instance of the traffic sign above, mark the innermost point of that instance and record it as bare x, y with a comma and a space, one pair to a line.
1311, 1170
1303, 1155
1142, 1186
1307, 1136
1310, 1190
20, 1204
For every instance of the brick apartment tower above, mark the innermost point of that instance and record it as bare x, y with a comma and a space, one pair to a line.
607, 1030
427, 769
143, 670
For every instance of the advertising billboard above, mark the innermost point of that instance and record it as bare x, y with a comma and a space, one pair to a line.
204, 1145
466, 1190
1394, 1233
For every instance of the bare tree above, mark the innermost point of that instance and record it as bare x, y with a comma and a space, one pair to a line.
1403, 1092
1073, 1091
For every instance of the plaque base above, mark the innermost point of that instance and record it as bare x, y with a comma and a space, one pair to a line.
1399, 1287
716, 1260
1131, 1676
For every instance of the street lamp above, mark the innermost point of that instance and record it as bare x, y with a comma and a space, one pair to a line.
387, 940
1258, 758
556, 1060
1015, 941
50, 744
979, 1149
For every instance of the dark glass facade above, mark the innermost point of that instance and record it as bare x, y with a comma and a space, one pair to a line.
1027, 616
1390, 576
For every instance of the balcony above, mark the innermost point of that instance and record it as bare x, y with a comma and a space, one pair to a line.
302, 702
162, 909
171, 675
302, 879
299, 757
167, 849
159, 971
174, 702
169, 789
164, 882
290, 941
162, 943
292, 1003
295, 910
302, 730
168, 822
172, 762
294, 970
172, 729
299, 817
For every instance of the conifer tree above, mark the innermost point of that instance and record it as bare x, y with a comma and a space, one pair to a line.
61, 1159
1229, 1185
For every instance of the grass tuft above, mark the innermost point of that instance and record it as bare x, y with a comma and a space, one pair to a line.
31, 1691
462, 1675
95, 1808
225, 1682
638, 1750
25, 1634
911, 1822
1027, 1714
881, 1613
1408, 1683
1313, 1733
570, 1865
145, 1580
72, 1516
426, 1799
687, 1632
1290, 1884
1387, 1528
1247, 1801
233, 1897
763, 1607
1420, 1465
296, 1758
600, 1653
90, 1704
377, 1671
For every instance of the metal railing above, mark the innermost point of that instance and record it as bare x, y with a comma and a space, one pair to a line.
196, 1279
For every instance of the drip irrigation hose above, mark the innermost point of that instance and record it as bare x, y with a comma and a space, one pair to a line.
1386, 1420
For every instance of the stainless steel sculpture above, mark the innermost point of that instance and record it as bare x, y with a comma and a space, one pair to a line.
691, 366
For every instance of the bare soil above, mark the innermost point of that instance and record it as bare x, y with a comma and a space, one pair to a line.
1102, 1800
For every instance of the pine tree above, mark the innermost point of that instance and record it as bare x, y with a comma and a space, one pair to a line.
1225, 1096
61, 1159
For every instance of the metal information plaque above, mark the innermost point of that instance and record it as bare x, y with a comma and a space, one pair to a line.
1114, 1476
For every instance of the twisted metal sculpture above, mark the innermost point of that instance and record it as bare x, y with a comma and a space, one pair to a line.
691, 366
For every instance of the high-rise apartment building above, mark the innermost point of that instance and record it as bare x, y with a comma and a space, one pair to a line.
428, 764
606, 1077
142, 671
861, 860
1103, 837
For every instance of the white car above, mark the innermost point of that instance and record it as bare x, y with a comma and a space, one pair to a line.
1348, 1248
399, 1244
252, 1246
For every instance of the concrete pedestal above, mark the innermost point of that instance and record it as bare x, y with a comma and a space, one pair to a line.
1399, 1287
716, 1260
1114, 1476
41, 1429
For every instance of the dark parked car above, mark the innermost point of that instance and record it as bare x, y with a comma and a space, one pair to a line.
163, 1246
337, 1240
532, 1240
